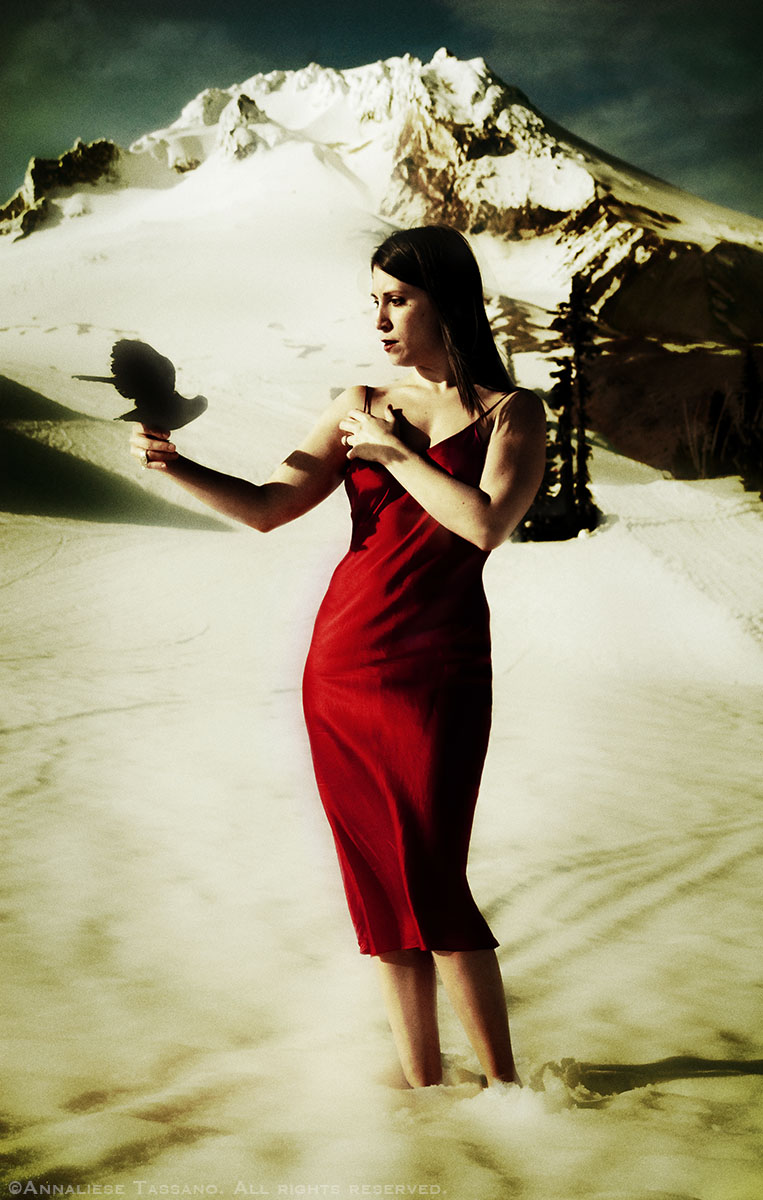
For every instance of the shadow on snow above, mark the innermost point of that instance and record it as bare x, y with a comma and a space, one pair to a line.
40, 479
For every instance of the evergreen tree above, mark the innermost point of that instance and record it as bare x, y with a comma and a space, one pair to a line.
730, 438
723, 440
565, 504
577, 328
586, 509
749, 459
552, 516
580, 333
751, 398
562, 400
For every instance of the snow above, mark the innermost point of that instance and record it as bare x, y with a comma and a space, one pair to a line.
184, 1003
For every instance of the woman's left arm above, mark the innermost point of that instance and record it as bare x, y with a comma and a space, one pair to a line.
514, 465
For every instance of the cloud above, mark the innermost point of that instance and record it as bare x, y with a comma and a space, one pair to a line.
78, 49
80, 69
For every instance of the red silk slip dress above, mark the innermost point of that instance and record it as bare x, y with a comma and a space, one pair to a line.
397, 695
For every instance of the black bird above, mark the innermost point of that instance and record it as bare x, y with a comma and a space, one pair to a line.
142, 374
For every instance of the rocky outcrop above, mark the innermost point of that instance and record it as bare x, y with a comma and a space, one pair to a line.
34, 204
681, 293
243, 127
652, 402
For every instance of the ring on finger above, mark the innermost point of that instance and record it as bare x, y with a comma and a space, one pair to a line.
144, 459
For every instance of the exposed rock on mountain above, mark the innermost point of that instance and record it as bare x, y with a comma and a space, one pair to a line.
34, 204
685, 293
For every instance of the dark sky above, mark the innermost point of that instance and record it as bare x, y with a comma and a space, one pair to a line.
673, 86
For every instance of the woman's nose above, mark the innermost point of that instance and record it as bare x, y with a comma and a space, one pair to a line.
382, 319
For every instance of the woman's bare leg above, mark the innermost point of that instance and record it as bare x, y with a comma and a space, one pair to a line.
472, 980
409, 987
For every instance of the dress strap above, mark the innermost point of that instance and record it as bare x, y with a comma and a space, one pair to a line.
505, 396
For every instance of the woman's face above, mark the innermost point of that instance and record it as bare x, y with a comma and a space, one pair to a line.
407, 322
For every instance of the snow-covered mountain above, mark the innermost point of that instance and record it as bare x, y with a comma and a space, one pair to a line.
676, 283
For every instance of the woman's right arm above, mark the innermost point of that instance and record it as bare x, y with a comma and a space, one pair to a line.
307, 476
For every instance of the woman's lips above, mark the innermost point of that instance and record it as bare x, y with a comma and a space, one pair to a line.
388, 343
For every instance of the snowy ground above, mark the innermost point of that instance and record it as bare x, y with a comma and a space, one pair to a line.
184, 1004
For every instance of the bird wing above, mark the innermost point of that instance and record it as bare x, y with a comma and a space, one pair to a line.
140, 372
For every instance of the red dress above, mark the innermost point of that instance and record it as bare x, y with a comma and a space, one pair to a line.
397, 695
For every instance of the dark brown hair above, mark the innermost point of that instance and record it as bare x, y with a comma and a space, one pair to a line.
438, 259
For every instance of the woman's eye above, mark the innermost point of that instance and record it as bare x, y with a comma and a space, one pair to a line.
397, 301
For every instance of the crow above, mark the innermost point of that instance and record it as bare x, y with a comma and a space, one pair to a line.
141, 374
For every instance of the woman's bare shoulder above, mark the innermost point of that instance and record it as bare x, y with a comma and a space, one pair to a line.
350, 397
375, 396
341, 404
355, 395
519, 409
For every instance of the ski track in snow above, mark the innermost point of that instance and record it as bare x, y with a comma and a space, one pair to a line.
708, 532
647, 878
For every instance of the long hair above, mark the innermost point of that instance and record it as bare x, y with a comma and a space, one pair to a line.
438, 259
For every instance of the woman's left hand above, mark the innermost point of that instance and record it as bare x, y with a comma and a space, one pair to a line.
372, 438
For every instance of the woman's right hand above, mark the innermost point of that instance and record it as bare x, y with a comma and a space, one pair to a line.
152, 447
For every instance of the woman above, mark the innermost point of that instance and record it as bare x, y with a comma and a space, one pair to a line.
439, 469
